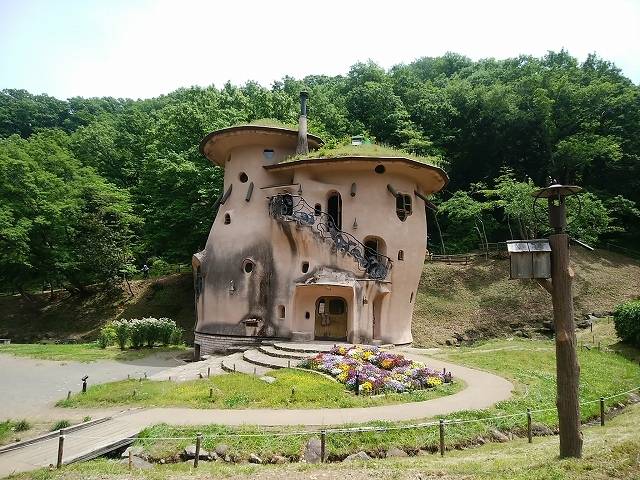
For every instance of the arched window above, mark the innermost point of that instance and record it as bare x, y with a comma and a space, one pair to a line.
227, 219
403, 206
373, 247
305, 267
317, 210
400, 254
334, 209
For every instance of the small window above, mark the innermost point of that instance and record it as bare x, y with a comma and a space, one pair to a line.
336, 306
227, 219
268, 153
248, 265
243, 177
411, 298
317, 210
305, 267
281, 311
379, 169
400, 254
307, 315
403, 206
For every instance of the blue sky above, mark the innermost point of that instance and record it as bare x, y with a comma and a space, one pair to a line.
143, 48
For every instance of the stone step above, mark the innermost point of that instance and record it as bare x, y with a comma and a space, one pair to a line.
257, 357
236, 363
274, 352
312, 347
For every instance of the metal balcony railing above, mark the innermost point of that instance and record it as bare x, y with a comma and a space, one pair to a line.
285, 207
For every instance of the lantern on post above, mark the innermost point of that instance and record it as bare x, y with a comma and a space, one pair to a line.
560, 288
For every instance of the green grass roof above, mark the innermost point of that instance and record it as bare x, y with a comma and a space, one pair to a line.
365, 150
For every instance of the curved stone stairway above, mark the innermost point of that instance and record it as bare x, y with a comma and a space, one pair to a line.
270, 356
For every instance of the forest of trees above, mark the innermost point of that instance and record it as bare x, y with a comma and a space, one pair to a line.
91, 188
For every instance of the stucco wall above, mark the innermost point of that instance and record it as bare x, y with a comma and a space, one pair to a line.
231, 298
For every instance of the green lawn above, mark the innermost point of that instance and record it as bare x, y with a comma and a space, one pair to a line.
529, 364
609, 452
292, 389
81, 352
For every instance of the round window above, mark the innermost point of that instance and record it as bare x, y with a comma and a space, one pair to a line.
379, 169
248, 265
243, 177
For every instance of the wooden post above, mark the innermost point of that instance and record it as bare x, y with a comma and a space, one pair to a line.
208, 372
568, 370
529, 433
68, 394
60, 448
323, 445
198, 443
602, 411
211, 393
130, 459
442, 437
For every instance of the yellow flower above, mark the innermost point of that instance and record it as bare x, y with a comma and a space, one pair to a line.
342, 377
367, 387
434, 381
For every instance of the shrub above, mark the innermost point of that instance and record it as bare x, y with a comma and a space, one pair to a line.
626, 319
21, 426
166, 329
137, 332
122, 333
60, 424
176, 336
107, 335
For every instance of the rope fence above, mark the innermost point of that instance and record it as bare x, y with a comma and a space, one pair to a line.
343, 439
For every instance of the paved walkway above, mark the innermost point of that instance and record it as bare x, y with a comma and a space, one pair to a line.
29, 387
483, 390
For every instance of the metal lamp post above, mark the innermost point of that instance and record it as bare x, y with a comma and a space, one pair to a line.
560, 288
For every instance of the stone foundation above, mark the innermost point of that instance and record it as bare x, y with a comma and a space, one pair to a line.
210, 343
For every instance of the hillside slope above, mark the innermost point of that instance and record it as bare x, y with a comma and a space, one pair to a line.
468, 301
479, 301
75, 317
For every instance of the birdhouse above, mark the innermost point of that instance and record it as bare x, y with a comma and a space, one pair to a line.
529, 258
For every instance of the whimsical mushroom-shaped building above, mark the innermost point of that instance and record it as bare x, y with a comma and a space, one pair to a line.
306, 247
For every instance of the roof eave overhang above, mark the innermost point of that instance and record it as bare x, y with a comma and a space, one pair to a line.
308, 162
217, 135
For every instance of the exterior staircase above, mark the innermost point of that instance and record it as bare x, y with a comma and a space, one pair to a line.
286, 207
272, 356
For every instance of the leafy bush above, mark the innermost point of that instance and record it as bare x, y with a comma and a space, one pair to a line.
626, 319
60, 424
21, 426
108, 335
121, 329
137, 332
166, 329
176, 336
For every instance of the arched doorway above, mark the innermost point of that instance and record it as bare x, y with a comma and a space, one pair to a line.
331, 319
334, 209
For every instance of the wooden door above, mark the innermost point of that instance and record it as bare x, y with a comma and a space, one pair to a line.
331, 318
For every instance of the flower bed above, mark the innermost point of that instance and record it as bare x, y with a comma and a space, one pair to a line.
374, 370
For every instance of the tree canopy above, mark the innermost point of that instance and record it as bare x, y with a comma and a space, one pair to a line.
91, 186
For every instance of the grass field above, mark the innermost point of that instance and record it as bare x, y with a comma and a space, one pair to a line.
479, 301
81, 352
292, 389
529, 364
612, 451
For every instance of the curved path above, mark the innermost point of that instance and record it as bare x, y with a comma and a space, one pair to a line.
482, 390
